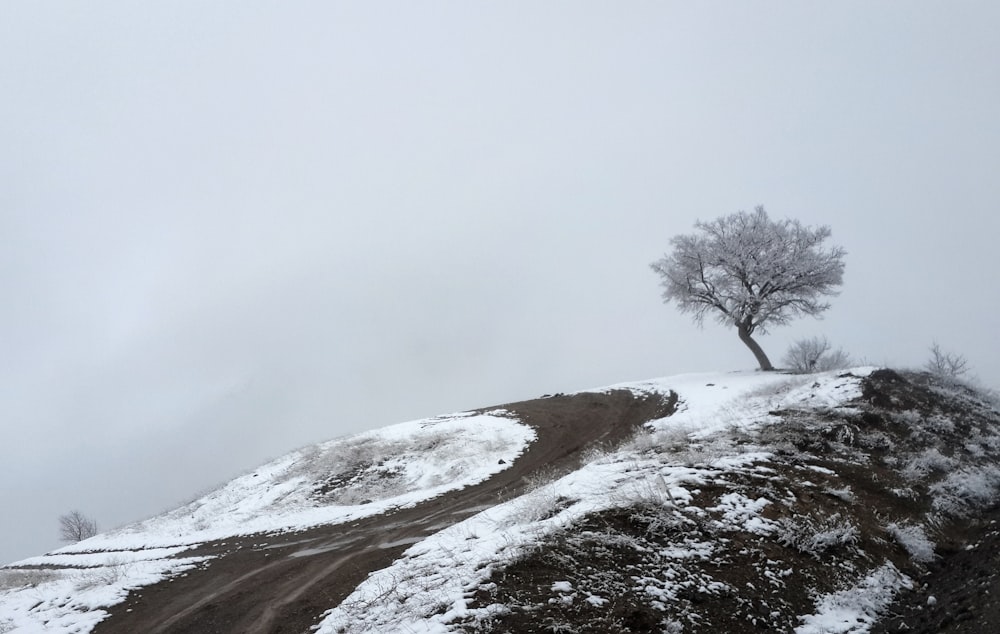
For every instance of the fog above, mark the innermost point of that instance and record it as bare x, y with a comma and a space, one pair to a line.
234, 228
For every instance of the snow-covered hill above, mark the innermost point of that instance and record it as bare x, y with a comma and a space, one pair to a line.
333, 482
800, 503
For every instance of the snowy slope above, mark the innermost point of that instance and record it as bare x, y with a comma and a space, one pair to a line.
442, 569
431, 588
366, 474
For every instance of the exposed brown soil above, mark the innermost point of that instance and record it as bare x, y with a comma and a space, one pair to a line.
960, 594
269, 583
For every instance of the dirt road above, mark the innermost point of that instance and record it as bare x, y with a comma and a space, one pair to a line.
262, 584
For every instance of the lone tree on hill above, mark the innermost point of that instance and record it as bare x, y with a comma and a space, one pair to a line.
752, 272
75, 526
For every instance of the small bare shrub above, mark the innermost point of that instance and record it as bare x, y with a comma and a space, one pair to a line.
929, 461
647, 492
815, 355
815, 537
668, 439
642, 441
75, 526
114, 569
946, 365
600, 453
540, 501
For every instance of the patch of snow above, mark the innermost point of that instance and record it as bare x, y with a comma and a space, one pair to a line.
819, 469
73, 601
854, 610
827, 390
562, 586
739, 510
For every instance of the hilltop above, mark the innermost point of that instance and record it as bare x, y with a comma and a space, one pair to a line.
851, 501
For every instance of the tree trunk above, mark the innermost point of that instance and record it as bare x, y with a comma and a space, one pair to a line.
758, 352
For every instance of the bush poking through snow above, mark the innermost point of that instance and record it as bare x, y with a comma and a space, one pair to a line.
914, 540
816, 537
541, 500
807, 356
966, 490
114, 569
925, 463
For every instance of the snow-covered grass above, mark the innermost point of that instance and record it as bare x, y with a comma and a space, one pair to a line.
967, 489
333, 482
71, 600
429, 588
319, 485
689, 469
914, 539
854, 610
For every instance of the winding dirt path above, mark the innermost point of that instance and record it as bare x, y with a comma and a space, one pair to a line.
263, 584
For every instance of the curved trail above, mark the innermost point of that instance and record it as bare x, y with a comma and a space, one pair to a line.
264, 584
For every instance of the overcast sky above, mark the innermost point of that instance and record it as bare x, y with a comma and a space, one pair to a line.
228, 229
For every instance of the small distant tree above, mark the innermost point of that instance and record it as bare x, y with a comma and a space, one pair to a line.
946, 365
75, 526
751, 272
815, 355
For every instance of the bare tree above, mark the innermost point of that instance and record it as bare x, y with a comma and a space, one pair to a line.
815, 355
946, 365
75, 526
751, 272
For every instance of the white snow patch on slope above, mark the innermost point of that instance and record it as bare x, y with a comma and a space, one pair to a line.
854, 610
71, 601
432, 455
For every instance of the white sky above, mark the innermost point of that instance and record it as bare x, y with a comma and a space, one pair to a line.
228, 229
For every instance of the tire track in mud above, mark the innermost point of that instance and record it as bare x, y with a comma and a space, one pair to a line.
269, 584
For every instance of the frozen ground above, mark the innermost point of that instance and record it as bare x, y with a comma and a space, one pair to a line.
428, 590
338, 481
713, 469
